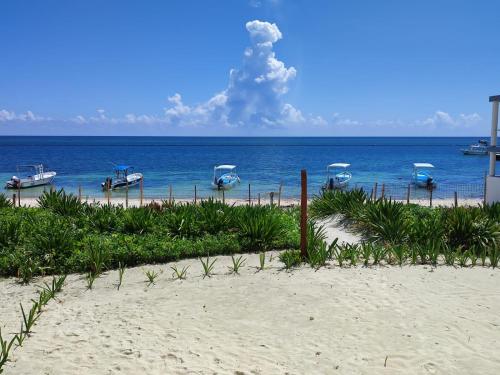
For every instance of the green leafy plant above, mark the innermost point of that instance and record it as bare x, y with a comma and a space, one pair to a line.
121, 272
259, 227
366, 252
290, 258
179, 274
494, 255
399, 252
90, 278
449, 255
151, 275
208, 266
5, 202
30, 318
4, 350
237, 264
378, 253
262, 261
61, 203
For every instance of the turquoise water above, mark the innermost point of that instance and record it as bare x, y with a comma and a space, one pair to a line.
265, 163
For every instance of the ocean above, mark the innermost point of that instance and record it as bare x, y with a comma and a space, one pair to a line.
264, 163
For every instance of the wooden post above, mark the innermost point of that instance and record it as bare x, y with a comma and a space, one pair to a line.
19, 196
375, 191
170, 197
249, 195
456, 199
14, 199
430, 198
223, 197
258, 199
408, 194
271, 198
279, 194
126, 196
383, 191
80, 193
195, 195
142, 192
108, 191
303, 213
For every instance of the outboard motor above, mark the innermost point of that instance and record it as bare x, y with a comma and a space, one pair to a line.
220, 184
430, 185
16, 182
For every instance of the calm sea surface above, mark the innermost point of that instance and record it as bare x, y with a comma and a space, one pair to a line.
263, 162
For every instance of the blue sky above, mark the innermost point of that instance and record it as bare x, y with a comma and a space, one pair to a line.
298, 67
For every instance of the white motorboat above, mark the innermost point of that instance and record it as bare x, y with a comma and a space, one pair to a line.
123, 179
479, 148
38, 177
422, 176
337, 176
225, 177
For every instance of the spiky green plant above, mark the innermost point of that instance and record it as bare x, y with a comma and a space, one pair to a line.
5, 347
494, 256
262, 261
30, 318
121, 272
179, 274
90, 278
259, 227
366, 252
378, 253
399, 252
96, 256
61, 203
483, 256
450, 255
290, 258
463, 257
208, 266
237, 264
151, 276
137, 220
5, 202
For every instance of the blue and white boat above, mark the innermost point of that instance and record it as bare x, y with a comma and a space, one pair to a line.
337, 176
225, 177
479, 148
123, 178
422, 176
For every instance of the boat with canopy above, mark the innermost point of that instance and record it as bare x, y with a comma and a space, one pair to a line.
337, 176
422, 176
479, 148
225, 177
123, 178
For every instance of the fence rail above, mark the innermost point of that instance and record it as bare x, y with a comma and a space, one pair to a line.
280, 194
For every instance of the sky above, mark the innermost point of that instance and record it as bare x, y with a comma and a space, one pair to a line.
248, 67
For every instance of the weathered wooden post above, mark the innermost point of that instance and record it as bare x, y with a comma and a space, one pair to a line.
456, 198
223, 197
258, 199
408, 194
142, 192
303, 213
279, 194
249, 196
375, 187
170, 194
484, 188
195, 195
271, 198
19, 195
108, 191
430, 198
126, 195
14, 199
79, 193
382, 194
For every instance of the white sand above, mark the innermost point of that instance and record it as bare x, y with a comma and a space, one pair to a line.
423, 320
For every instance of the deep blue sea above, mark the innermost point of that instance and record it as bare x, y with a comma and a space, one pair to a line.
263, 162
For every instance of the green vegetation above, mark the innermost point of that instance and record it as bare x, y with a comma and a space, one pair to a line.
399, 233
65, 235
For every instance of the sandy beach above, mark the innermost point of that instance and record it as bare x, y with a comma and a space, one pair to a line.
415, 319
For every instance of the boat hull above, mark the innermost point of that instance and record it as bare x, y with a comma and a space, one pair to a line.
475, 152
41, 179
225, 182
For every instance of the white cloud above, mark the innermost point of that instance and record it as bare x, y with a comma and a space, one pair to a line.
441, 118
23, 117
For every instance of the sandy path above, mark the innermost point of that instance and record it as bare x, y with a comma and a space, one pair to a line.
272, 322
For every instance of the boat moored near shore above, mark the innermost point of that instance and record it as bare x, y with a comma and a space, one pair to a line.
39, 177
422, 176
225, 177
479, 148
337, 176
123, 179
